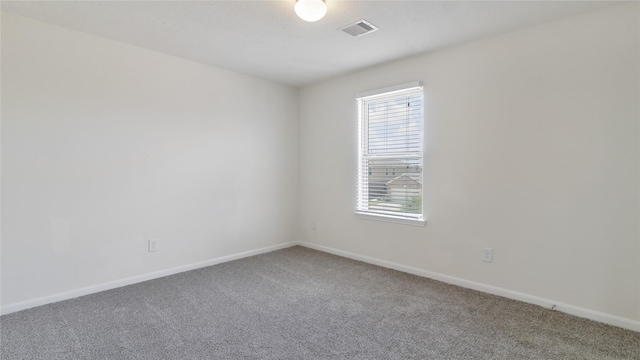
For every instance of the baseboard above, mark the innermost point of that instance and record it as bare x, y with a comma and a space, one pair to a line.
546, 303
7, 309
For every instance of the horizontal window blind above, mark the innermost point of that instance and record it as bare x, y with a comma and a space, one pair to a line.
390, 153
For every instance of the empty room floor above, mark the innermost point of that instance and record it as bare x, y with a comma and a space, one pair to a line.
299, 303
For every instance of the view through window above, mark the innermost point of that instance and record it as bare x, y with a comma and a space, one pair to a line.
390, 152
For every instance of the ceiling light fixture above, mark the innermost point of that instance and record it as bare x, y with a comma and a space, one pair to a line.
310, 10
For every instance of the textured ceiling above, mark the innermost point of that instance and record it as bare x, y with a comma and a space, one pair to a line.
266, 39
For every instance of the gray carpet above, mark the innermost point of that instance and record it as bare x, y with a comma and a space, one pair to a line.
303, 304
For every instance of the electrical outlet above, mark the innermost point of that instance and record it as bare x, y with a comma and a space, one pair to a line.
487, 254
314, 225
153, 245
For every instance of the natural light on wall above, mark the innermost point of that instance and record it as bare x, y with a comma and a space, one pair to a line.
390, 152
310, 10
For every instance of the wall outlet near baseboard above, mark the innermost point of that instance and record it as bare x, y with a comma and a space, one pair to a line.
314, 225
153, 245
487, 255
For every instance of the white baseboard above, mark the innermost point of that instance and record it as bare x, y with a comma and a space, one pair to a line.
7, 309
546, 303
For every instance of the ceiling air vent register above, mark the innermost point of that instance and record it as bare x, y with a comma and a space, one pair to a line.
359, 28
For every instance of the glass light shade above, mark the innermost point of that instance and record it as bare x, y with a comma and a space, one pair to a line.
310, 10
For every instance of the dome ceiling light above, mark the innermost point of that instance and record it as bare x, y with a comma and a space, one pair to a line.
310, 10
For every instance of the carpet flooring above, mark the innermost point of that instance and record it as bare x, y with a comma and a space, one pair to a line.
299, 303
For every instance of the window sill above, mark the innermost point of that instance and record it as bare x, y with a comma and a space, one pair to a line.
391, 219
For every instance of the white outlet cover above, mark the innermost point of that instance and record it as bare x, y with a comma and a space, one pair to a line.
487, 254
153, 245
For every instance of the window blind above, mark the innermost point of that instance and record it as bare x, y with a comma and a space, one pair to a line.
390, 152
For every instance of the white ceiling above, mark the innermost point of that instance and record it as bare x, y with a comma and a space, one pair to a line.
266, 39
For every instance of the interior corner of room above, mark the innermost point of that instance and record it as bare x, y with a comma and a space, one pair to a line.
122, 164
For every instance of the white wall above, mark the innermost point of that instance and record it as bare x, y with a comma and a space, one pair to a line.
532, 149
106, 145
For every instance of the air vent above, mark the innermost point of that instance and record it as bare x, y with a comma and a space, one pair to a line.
359, 28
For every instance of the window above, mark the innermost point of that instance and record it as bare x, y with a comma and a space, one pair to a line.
391, 127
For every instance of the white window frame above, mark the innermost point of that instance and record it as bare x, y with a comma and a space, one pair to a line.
362, 203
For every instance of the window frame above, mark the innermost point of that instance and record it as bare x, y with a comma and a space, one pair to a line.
362, 191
